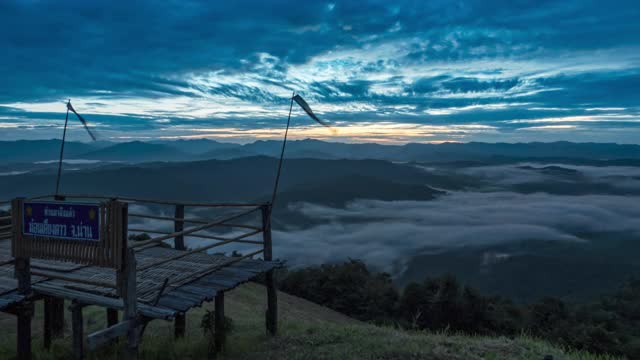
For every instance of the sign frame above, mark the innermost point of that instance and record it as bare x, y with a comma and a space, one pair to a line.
109, 251
95, 217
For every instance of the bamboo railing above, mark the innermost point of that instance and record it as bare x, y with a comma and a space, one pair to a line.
194, 230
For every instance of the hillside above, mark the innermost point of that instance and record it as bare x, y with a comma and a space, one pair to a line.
245, 179
307, 331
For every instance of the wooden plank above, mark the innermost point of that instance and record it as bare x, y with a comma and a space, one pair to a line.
107, 335
91, 299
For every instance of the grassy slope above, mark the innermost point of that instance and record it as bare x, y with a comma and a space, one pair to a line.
307, 331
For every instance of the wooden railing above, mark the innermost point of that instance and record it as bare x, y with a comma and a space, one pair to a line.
181, 230
5, 222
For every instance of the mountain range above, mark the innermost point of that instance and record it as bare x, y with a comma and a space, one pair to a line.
202, 149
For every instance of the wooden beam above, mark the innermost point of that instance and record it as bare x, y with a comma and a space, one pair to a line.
106, 336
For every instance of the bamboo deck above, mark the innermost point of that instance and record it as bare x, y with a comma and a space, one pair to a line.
192, 280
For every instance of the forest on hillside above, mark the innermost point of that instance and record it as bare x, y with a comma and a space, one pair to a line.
605, 326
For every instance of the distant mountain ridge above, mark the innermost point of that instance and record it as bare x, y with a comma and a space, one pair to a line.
203, 149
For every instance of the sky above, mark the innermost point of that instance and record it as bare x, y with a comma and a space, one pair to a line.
378, 71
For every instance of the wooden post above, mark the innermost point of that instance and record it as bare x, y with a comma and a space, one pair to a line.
127, 283
112, 317
271, 316
77, 329
126, 277
220, 333
22, 268
112, 320
57, 317
53, 319
47, 333
178, 225
180, 321
25, 309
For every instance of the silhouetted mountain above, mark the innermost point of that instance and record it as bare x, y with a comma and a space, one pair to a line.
20, 151
41, 150
197, 146
136, 151
245, 179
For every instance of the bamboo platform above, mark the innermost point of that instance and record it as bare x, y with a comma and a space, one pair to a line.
188, 289
145, 279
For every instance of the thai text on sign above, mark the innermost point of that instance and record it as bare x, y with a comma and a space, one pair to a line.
62, 220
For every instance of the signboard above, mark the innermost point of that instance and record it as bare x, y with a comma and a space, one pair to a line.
61, 220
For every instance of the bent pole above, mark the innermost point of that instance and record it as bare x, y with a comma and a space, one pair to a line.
284, 144
64, 135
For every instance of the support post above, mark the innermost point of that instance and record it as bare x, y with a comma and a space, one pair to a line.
77, 326
53, 320
271, 316
179, 325
220, 333
57, 317
178, 225
48, 313
22, 269
25, 309
180, 321
112, 317
126, 277
127, 285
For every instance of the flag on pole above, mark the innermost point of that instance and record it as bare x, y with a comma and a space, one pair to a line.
82, 120
303, 104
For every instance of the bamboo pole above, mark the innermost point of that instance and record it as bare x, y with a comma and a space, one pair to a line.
192, 230
211, 237
73, 279
200, 249
150, 201
193, 221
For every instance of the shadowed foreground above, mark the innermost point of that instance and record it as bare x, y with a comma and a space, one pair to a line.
308, 331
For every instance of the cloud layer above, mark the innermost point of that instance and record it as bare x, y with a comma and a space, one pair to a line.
384, 233
503, 71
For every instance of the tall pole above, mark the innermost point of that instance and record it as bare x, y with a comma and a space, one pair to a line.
284, 144
64, 135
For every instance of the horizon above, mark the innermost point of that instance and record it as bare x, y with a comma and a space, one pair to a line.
381, 73
121, 141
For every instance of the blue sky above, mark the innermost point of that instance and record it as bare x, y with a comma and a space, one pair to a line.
382, 71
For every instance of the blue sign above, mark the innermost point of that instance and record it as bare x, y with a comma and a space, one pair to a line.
61, 220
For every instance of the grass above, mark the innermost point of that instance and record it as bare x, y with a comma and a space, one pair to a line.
307, 331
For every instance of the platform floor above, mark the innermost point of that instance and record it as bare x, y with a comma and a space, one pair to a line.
191, 280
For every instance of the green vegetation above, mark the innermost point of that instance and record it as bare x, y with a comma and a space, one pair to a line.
307, 331
608, 326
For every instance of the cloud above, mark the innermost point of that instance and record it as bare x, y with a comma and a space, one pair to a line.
385, 233
435, 63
